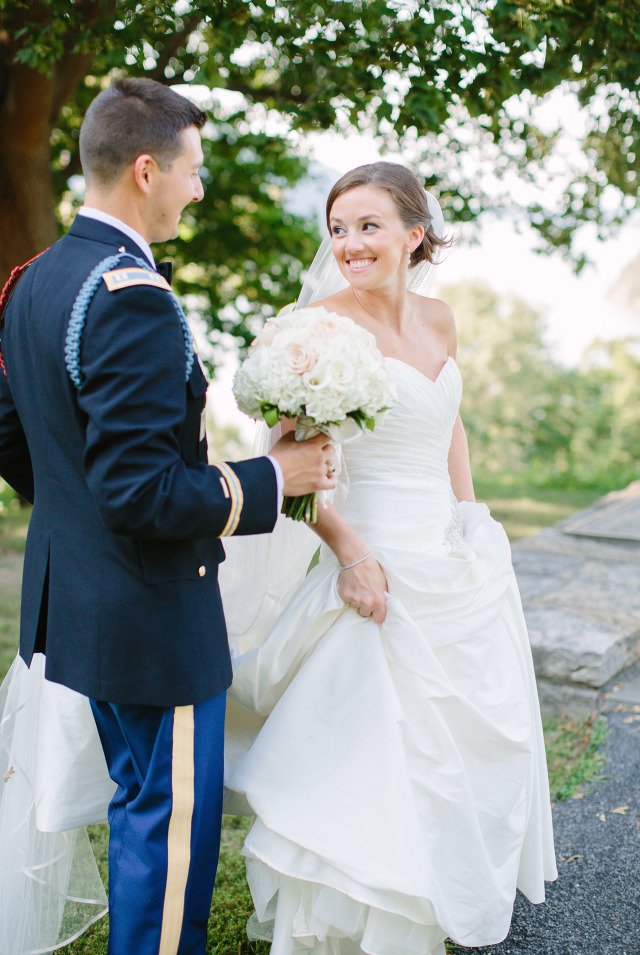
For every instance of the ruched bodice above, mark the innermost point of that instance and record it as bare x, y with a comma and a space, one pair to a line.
397, 475
415, 434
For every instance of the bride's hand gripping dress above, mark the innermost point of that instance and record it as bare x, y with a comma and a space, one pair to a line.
398, 776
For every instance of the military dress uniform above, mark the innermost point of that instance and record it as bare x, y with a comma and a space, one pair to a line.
101, 426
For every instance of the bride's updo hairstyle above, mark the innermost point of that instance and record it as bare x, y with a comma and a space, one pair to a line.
408, 196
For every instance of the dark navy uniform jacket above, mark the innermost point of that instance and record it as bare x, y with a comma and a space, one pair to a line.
120, 576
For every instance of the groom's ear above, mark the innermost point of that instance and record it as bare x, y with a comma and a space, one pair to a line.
145, 170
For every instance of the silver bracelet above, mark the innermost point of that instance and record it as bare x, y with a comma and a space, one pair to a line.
366, 557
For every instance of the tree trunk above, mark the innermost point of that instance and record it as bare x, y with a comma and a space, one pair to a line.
27, 218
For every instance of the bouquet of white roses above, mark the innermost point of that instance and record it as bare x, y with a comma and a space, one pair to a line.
319, 368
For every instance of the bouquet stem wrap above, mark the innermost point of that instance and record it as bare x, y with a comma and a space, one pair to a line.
305, 507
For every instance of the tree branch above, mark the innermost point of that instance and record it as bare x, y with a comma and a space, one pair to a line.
67, 75
69, 71
171, 46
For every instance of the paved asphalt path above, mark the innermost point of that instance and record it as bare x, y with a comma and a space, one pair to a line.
594, 906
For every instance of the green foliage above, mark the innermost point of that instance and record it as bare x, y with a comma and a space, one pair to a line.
11, 509
95, 941
452, 83
239, 248
593, 47
528, 415
9, 620
524, 508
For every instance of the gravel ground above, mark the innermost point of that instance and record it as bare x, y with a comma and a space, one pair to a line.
594, 906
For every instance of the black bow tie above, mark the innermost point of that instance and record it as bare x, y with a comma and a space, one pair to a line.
166, 270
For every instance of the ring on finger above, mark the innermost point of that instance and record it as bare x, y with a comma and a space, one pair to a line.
331, 470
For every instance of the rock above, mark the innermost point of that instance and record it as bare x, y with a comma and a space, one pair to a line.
581, 596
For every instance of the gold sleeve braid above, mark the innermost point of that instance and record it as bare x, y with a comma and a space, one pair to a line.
234, 487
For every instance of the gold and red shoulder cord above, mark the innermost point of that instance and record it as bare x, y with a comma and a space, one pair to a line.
5, 295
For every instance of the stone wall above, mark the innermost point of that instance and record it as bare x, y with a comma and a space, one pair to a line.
580, 590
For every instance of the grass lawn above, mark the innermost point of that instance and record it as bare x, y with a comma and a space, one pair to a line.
523, 509
572, 749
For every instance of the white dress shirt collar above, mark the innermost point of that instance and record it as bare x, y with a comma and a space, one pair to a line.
101, 216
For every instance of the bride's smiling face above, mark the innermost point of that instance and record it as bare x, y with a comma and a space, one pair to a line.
370, 241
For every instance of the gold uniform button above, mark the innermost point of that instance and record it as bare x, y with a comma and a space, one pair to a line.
202, 570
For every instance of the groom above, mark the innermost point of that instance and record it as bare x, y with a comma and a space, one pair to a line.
102, 426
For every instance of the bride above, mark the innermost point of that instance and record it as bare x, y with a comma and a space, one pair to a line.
384, 725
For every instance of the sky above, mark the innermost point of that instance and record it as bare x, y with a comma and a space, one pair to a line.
576, 308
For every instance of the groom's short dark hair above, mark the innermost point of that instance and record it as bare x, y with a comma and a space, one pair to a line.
132, 117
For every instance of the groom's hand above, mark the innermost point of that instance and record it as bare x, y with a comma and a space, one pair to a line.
306, 465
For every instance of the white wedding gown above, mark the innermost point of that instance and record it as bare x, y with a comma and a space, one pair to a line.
397, 772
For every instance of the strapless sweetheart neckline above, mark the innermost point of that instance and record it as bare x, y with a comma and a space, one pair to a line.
432, 381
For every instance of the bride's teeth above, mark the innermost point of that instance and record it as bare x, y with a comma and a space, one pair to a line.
360, 263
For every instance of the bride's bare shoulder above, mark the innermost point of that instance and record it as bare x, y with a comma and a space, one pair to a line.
433, 309
439, 317
338, 302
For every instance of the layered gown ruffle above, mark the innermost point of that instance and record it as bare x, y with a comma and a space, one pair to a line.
397, 772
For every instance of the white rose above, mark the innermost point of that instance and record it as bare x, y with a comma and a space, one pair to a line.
299, 358
266, 335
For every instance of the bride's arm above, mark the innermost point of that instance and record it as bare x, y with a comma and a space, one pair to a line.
458, 460
363, 586
459, 467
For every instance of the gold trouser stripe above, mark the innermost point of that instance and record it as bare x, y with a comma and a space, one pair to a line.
179, 836
237, 499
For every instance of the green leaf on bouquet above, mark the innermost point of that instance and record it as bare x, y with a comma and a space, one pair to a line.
358, 417
362, 420
270, 413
